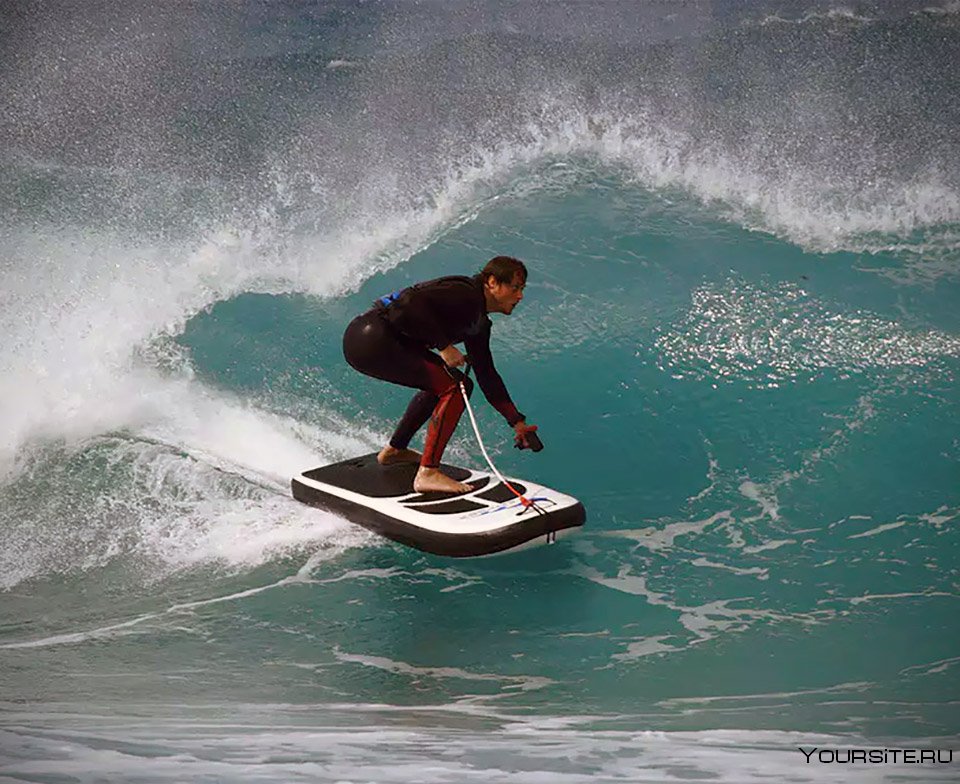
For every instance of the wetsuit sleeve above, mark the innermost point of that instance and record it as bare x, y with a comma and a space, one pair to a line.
494, 390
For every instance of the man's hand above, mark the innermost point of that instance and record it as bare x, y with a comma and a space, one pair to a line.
452, 356
521, 430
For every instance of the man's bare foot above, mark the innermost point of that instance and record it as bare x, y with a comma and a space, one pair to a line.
388, 456
432, 480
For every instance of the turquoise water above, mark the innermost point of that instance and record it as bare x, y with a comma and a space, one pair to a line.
740, 340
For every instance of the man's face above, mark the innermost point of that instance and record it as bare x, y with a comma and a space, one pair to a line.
506, 295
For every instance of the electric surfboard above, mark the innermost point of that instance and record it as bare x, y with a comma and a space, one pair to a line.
489, 519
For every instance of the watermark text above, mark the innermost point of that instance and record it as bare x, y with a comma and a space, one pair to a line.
878, 756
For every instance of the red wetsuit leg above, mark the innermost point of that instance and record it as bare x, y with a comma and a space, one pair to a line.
446, 414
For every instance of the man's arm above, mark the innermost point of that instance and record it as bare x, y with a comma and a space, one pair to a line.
494, 390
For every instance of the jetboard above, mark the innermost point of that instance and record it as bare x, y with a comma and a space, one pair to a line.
489, 519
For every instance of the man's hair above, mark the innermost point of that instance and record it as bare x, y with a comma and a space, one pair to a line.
503, 268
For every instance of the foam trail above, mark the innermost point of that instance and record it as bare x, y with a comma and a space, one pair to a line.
202, 480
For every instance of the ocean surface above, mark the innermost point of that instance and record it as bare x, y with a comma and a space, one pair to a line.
740, 341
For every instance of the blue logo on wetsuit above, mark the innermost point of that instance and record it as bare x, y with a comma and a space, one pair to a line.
389, 299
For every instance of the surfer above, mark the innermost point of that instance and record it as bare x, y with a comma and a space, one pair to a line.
395, 341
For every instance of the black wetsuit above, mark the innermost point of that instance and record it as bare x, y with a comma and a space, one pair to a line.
392, 342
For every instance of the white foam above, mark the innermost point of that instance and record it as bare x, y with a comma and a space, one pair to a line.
520, 682
395, 745
702, 622
757, 571
773, 544
838, 14
656, 539
738, 332
815, 209
941, 516
879, 529
931, 668
763, 496
644, 646
204, 482
951, 8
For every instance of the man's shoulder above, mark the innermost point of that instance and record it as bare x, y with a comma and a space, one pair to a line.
460, 289
449, 281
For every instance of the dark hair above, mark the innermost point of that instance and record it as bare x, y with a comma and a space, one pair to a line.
503, 268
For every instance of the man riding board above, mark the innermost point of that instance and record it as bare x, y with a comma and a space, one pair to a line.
396, 341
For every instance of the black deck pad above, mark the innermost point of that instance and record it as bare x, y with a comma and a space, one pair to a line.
366, 476
455, 507
500, 492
